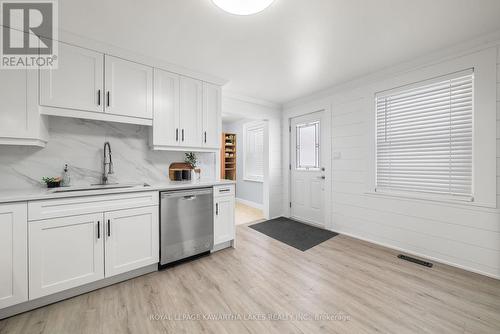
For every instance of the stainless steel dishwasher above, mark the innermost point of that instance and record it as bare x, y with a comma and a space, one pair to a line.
186, 224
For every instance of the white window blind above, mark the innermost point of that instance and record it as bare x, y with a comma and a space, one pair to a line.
254, 153
424, 137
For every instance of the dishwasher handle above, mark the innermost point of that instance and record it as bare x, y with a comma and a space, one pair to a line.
186, 194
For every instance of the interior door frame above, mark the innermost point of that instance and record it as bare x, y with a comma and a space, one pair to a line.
266, 188
326, 129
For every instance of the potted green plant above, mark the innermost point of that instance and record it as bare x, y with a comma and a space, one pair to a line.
52, 182
192, 159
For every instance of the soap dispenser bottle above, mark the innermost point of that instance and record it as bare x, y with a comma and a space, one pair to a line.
66, 179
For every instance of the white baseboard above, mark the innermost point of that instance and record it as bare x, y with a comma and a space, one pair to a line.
250, 203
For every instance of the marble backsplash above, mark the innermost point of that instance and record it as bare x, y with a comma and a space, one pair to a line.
79, 143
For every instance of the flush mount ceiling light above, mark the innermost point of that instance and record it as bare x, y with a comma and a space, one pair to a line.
243, 7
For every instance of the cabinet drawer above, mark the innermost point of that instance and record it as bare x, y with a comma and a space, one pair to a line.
224, 190
54, 208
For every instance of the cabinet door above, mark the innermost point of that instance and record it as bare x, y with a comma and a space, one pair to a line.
13, 107
77, 83
191, 112
65, 253
129, 88
132, 239
20, 120
166, 109
13, 253
211, 115
224, 219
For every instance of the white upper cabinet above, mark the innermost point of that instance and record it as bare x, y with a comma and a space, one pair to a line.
132, 239
88, 83
20, 121
211, 115
191, 93
166, 109
13, 253
129, 88
187, 113
77, 83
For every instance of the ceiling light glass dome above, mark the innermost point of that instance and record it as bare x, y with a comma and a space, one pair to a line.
243, 7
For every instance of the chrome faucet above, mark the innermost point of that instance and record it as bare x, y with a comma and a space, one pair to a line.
107, 163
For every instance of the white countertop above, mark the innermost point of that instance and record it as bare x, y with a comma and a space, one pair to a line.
22, 195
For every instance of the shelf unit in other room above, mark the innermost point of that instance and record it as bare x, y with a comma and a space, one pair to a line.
228, 156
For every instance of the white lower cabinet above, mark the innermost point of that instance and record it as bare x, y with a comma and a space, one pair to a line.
224, 219
65, 253
131, 239
224, 229
13, 254
70, 246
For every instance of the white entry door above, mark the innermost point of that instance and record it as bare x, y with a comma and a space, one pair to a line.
308, 175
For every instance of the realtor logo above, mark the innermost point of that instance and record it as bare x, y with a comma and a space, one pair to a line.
29, 34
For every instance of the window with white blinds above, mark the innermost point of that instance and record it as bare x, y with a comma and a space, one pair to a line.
424, 137
254, 153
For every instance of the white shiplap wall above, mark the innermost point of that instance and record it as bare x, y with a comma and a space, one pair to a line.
460, 235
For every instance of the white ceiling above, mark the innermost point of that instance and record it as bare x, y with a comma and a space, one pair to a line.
293, 48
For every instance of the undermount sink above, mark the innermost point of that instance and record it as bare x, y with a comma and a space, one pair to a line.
98, 187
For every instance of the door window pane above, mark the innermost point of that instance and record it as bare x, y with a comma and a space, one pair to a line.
308, 146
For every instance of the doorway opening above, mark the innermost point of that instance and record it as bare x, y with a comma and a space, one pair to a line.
243, 159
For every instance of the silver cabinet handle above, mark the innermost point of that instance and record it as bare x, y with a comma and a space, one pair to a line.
109, 227
322, 177
98, 229
216, 209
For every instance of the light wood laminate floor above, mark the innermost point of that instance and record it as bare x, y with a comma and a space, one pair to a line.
374, 290
245, 214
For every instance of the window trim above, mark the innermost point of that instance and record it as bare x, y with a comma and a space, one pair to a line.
248, 127
426, 194
484, 123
